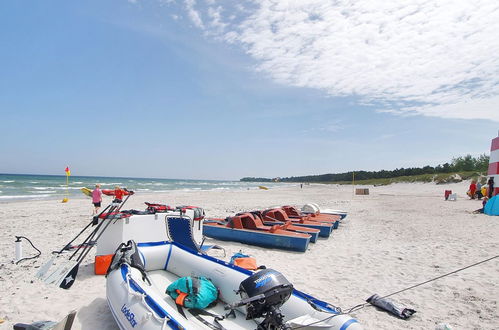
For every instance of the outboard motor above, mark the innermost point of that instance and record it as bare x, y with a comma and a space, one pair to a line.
263, 293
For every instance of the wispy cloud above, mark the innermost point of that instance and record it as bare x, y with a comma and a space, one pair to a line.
433, 58
194, 14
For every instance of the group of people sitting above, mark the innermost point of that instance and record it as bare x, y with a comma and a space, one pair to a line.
476, 190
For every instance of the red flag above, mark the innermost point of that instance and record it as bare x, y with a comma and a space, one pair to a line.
68, 172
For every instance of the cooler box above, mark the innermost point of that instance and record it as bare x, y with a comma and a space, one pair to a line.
447, 193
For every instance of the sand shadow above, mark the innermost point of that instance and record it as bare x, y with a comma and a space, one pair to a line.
96, 315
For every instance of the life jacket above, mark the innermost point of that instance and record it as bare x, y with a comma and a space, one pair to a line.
127, 253
154, 208
193, 292
198, 211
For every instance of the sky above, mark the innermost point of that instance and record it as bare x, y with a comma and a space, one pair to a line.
209, 89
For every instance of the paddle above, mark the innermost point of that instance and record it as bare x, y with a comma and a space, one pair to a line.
55, 277
67, 279
65, 275
45, 268
41, 274
83, 230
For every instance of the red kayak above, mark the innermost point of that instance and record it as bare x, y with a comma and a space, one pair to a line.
110, 192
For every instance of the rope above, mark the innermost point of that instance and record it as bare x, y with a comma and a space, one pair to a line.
439, 277
363, 305
143, 296
360, 306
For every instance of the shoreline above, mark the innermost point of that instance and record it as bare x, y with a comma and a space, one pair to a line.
398, 236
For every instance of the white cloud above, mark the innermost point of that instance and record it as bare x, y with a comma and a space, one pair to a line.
194, 15
435, 58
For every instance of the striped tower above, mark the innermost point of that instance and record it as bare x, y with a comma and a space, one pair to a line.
494, 163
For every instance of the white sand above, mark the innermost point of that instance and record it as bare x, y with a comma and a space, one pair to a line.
398, 236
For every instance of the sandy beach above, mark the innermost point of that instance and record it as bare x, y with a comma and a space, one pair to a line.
398, 236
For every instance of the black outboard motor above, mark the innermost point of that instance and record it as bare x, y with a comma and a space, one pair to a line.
263, 293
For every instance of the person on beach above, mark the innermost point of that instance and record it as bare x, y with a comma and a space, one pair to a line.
485, 199
96, 198
479, 190
490, 183
118, 194
472, 189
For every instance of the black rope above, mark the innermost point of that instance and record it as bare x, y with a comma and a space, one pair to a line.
360, 306
439, 277
28, 258
363, 305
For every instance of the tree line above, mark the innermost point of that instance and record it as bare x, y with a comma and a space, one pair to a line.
466, 163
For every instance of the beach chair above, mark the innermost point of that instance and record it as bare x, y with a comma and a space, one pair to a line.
180, 231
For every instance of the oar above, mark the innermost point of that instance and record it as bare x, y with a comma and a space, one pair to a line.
83, 230
55, 276
92, 234
67, 280
45, 268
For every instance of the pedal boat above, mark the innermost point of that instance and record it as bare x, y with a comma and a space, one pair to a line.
245, 228
314, 208
277, 215
294, 213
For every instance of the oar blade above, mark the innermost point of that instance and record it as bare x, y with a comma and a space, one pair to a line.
57, 276
45, 268
67, 280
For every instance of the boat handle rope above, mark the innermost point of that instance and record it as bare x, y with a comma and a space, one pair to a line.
363, 305
163, 320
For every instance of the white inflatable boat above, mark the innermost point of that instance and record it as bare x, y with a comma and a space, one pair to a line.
138, 300
315, 209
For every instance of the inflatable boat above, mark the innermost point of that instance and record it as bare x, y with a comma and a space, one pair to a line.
135, 290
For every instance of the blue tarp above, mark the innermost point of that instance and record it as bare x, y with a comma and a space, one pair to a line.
492, 206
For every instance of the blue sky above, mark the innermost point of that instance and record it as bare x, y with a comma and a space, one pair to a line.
212, 90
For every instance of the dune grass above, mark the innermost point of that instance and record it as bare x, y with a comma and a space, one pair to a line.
436, 178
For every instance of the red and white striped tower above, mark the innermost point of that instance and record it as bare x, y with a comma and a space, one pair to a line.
494, 163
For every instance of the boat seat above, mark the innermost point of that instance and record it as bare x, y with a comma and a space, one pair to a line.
277, 214
251, 222
280, 214
292, 211
180, 231
235, 222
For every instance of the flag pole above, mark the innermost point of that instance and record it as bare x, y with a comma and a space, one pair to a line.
68, 173
353, 184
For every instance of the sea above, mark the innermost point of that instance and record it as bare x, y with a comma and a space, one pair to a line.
37, 187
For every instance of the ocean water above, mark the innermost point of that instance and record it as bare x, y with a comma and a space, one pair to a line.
24, 186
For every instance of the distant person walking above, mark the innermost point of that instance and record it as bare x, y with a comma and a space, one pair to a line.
96, 198
490, 183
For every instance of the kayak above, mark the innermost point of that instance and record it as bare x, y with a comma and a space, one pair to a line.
86, 191
110, 192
